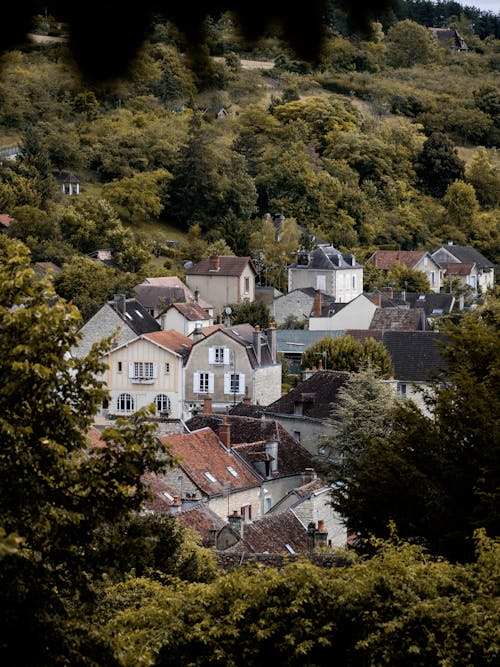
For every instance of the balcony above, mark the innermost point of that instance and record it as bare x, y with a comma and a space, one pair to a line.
142, 380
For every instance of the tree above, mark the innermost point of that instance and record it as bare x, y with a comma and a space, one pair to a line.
141, 195
345, 353
362, 411
400, 277
62, 498
461, 206
409, 43
436, 475
438, 164
484, 175
251, 312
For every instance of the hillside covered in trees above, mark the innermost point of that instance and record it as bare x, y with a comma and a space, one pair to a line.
389, 140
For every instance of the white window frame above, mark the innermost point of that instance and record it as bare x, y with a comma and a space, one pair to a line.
229, 383
218, 355
321, 283
125, 402
143, 371
203, 382
163, 403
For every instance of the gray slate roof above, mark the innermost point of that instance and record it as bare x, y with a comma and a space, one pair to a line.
416, 355
468, 255
326, 258
298, 340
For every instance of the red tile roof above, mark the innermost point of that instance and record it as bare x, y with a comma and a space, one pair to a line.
272, 534
191, 311
384, 259
457, 269
202, 452
6, 220
171, 340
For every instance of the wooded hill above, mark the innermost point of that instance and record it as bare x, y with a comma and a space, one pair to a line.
386, 141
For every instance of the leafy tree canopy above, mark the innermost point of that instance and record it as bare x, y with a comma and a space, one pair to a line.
345, 353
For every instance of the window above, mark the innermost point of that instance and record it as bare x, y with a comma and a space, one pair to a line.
433, 278
167, 368
125, 403
210, 477
218, 355
268, 503
473, 282
143, 371
120, 367
354, 282
246, 512
321, 283
232, 471
296, 435
162, 403
234, 383
203, 383
401, 388
247, 285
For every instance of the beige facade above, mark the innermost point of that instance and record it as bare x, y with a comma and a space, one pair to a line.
223, 286
142, 372
432, 272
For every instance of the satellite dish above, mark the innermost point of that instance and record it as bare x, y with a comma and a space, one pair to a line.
188, 264
228, 310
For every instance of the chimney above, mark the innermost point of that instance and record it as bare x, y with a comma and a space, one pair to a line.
309, 475
212, 536
353, 260
175, 507
236, 523
316, 311
119, 303
321, 534
196, 295
207, 405
272, 450
225, 433
377, 299
246, 399
272, 341
214, 263
389, 292
256, 344
197, 333
320, 364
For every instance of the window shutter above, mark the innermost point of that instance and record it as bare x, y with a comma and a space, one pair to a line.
227, 383
241, 383
155, 370
211, 355
131, 369
226, 355
196, 382
210, 383
249, 511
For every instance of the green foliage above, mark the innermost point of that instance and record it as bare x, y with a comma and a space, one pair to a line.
438, 165
436, 475
484, 175
400, 277
141, 195
399, 607
409, 43
251, 312
345, 353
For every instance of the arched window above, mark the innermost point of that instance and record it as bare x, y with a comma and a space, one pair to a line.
162, 403
125, 403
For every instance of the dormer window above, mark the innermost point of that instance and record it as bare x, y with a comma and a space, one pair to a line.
218, 355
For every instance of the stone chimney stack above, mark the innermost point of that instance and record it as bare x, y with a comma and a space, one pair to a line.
272, 451
309, 475
236, 523
214, 263
257, 344
316, 310
119, 303
224, 433
272, 341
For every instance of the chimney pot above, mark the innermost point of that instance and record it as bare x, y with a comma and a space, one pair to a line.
214, 263
317, 303
225, 433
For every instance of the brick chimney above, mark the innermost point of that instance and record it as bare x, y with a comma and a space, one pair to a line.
225, 433
214, 263
257, 344
316, 310
272, 341
175, 507
389, 292
377, 299
207, 405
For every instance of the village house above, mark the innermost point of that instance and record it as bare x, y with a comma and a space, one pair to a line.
146, 370
356, 314
223, 279
185, 317
296, 304
476, 270
122, 318
157, 293
229, 363
416, 260
328, 270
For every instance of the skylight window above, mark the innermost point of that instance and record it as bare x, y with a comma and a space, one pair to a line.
128, 315
139, 314
168, 496
210, 477
232, 471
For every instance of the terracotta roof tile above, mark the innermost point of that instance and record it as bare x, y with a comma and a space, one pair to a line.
272, 534
201, 452
171, 340
384, 259
191, 311
201, 519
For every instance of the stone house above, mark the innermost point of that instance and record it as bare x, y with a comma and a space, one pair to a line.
123, 318
328, 270
185, 317
229, 363
157, 293
223, 279
356, 314
298, 304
